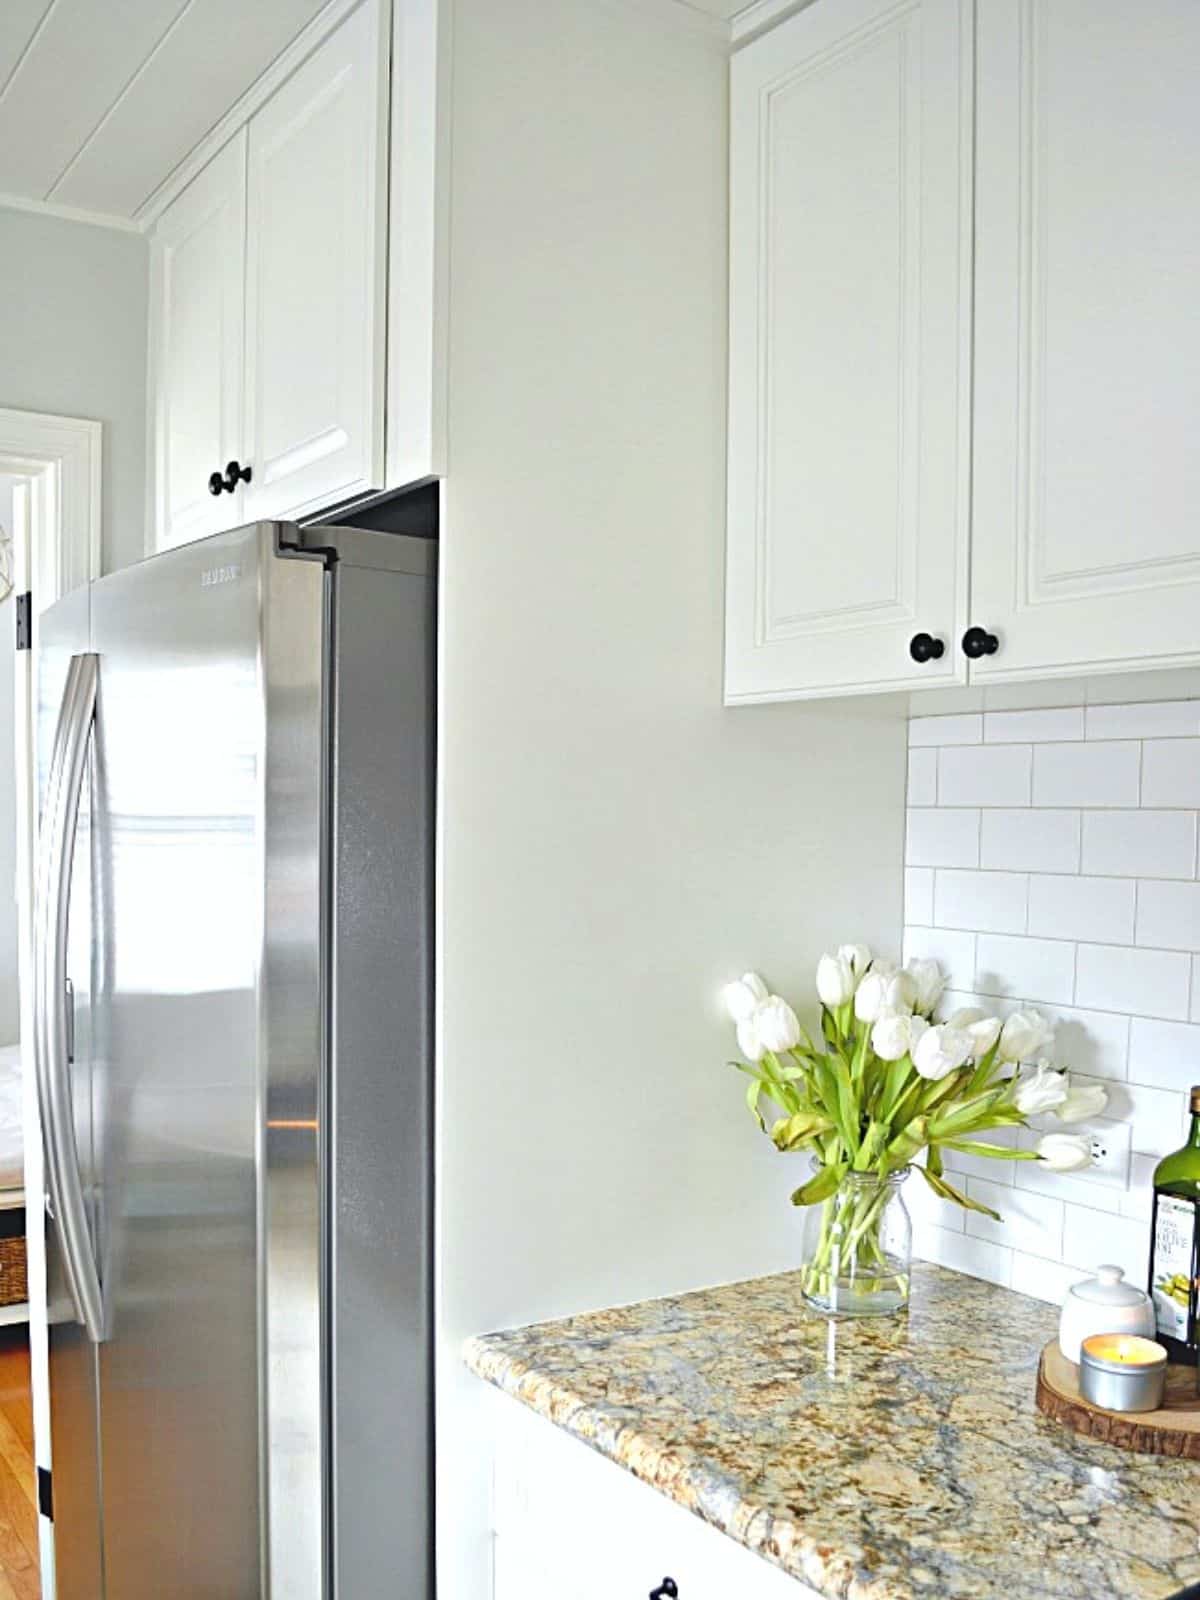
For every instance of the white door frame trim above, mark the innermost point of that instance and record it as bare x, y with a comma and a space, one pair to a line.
63, 455
56, 547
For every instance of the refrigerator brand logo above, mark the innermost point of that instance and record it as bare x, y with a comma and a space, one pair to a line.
214, 575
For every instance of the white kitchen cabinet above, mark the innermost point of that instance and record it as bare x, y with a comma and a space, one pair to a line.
862, 402
1086, 535
566, 1521
849, 350
197, 255
268, 304
316, 278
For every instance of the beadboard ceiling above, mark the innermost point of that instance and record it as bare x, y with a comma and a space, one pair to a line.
101, 99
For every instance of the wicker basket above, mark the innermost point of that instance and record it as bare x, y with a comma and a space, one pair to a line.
14, 1285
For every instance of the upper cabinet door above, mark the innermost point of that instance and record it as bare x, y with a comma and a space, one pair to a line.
1087, 453
850, 341
315, 278
197, 268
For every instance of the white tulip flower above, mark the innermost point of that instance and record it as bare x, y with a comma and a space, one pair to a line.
776, 1024
1044, 1090
858, 955
1082, 1101
835, 981
748, 1040
878, 992
896, 1033
984, 1030
940, 1050
928, 982
1024, 1035
1065, 1152
868, 998
743, 997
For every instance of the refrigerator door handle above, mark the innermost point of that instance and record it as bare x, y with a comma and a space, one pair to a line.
51, 1024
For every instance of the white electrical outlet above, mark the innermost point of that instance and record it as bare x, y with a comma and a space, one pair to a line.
1110, 1152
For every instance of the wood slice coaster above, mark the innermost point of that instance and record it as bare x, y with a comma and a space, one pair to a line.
1174, 1430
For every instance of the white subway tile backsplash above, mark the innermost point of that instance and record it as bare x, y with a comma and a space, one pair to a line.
1105, 774
1028, 969
1072, 907
990, 902
1171, 772
964, 729
918, 895
1097, 1190
1151, 983
1016, 727
1168, 915
944, 702
1161, 719
1027, 840
939, 837
984, 775
1027, 696
922, 777
955, 951
1032, 1222
1093, 1042
1167, 683
929, 1210
1062, 872
1093, 1238
1044, 1280
1164, 1055
1140, 844
1158, 1118
961, 1164
1033, 1177
1138, 1199
982, 1260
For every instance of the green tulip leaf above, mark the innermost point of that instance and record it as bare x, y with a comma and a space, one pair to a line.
820, 1186
948, 1192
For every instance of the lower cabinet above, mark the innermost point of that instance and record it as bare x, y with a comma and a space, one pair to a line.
569, 1522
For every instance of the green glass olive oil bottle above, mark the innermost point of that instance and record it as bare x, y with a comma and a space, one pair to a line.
1175, 1244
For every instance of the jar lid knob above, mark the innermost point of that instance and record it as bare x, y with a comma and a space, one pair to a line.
1110, 1274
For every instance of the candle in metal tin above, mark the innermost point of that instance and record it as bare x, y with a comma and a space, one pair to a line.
1122, 1372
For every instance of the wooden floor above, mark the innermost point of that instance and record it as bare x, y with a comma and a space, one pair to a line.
18, 1490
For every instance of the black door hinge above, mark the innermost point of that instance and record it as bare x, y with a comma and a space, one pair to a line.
45, 1494
25, 621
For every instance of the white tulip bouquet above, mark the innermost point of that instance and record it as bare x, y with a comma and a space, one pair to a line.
889, 1082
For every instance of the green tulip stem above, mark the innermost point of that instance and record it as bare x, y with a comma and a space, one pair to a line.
850, 1242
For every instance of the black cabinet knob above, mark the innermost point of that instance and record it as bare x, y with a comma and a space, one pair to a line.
235, 474
668, 1589
924, 647
216, 483
978, 642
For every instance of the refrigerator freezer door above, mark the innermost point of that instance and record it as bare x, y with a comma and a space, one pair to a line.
63, 633
208, 826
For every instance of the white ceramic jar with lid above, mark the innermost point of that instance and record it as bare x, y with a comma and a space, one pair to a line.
1103, 1304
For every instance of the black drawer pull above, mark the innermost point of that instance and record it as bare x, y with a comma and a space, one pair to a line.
668, 1589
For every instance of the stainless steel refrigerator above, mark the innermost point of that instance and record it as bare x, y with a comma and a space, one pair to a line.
233, 1044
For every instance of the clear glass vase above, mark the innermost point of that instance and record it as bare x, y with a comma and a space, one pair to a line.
858, 1248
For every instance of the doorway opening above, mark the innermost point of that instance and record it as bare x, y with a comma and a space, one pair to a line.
49, 543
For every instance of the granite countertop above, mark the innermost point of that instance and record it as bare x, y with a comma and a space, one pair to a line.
872, 1460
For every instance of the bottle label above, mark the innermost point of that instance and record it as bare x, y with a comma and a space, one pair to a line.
1171, 1275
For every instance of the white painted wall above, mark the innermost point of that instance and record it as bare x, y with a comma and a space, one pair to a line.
73, 313
615, 843
9, 990
1052, 860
